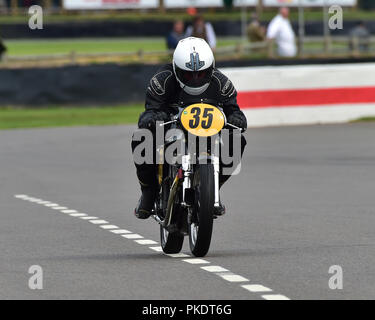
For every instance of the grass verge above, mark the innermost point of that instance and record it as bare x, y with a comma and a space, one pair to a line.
364, 119
86, 46
13, 118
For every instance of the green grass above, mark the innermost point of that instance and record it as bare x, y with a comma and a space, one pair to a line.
365, 119
84, 46
12, 118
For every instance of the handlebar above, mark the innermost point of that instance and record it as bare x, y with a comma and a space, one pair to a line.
235, 127
227, 125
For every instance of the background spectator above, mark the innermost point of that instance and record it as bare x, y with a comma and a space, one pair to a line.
3, 48
202, 29
280, 30
255, 31
359, 37
175, 35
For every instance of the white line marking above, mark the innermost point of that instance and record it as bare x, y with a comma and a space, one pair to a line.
214, 269
218, 270
98, 221
69, 211
157, 249
145, 241
233, 277
20, 196
275, 297
196, 261
177, 255
120, 231
109, 227
78, 215
132, 236
256, 288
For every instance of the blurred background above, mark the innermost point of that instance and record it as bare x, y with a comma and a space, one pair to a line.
102, 52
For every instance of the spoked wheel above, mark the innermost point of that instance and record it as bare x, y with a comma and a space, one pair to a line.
201, 222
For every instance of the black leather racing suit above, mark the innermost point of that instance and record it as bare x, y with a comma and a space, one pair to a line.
164, 91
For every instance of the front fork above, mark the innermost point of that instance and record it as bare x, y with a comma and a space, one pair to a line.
187, 169
216, 164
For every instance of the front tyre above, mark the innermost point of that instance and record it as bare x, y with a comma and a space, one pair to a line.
200, 226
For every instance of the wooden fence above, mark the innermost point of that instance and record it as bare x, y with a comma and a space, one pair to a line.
312, 47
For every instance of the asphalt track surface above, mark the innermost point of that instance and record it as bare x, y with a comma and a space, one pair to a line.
304, 201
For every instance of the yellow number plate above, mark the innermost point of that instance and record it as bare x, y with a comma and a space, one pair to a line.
202, 119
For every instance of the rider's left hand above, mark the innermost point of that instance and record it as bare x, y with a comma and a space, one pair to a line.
238, 120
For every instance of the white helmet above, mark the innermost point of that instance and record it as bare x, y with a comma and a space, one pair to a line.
193, 65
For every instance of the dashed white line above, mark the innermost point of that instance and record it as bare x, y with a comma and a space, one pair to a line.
108, 227
256, 288
98, 221
20, 196
233, 277
177, 255
196, 261
157, 249
51, 204
217, 270
132, 236
274, 297
78, 215
145, 241
69, 211
120, 231
214, 269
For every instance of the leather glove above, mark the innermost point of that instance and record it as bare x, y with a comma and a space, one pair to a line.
238, 120
148, 119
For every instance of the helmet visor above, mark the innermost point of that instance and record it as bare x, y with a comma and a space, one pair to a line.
194, 79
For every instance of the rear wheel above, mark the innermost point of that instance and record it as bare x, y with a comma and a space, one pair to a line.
171, 242
201, 224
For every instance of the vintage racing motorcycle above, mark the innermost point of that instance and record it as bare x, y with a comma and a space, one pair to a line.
189, 189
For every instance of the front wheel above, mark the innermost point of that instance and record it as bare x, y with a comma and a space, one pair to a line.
201, 224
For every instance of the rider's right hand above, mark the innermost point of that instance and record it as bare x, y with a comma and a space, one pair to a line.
148, 119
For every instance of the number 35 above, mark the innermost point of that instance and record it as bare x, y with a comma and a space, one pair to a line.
205, 121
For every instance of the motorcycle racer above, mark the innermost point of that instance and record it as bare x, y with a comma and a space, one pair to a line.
191, 76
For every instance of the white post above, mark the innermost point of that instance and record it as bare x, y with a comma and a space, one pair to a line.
301, 27
243, 21
326, 27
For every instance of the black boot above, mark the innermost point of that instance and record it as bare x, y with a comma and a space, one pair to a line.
146, 202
